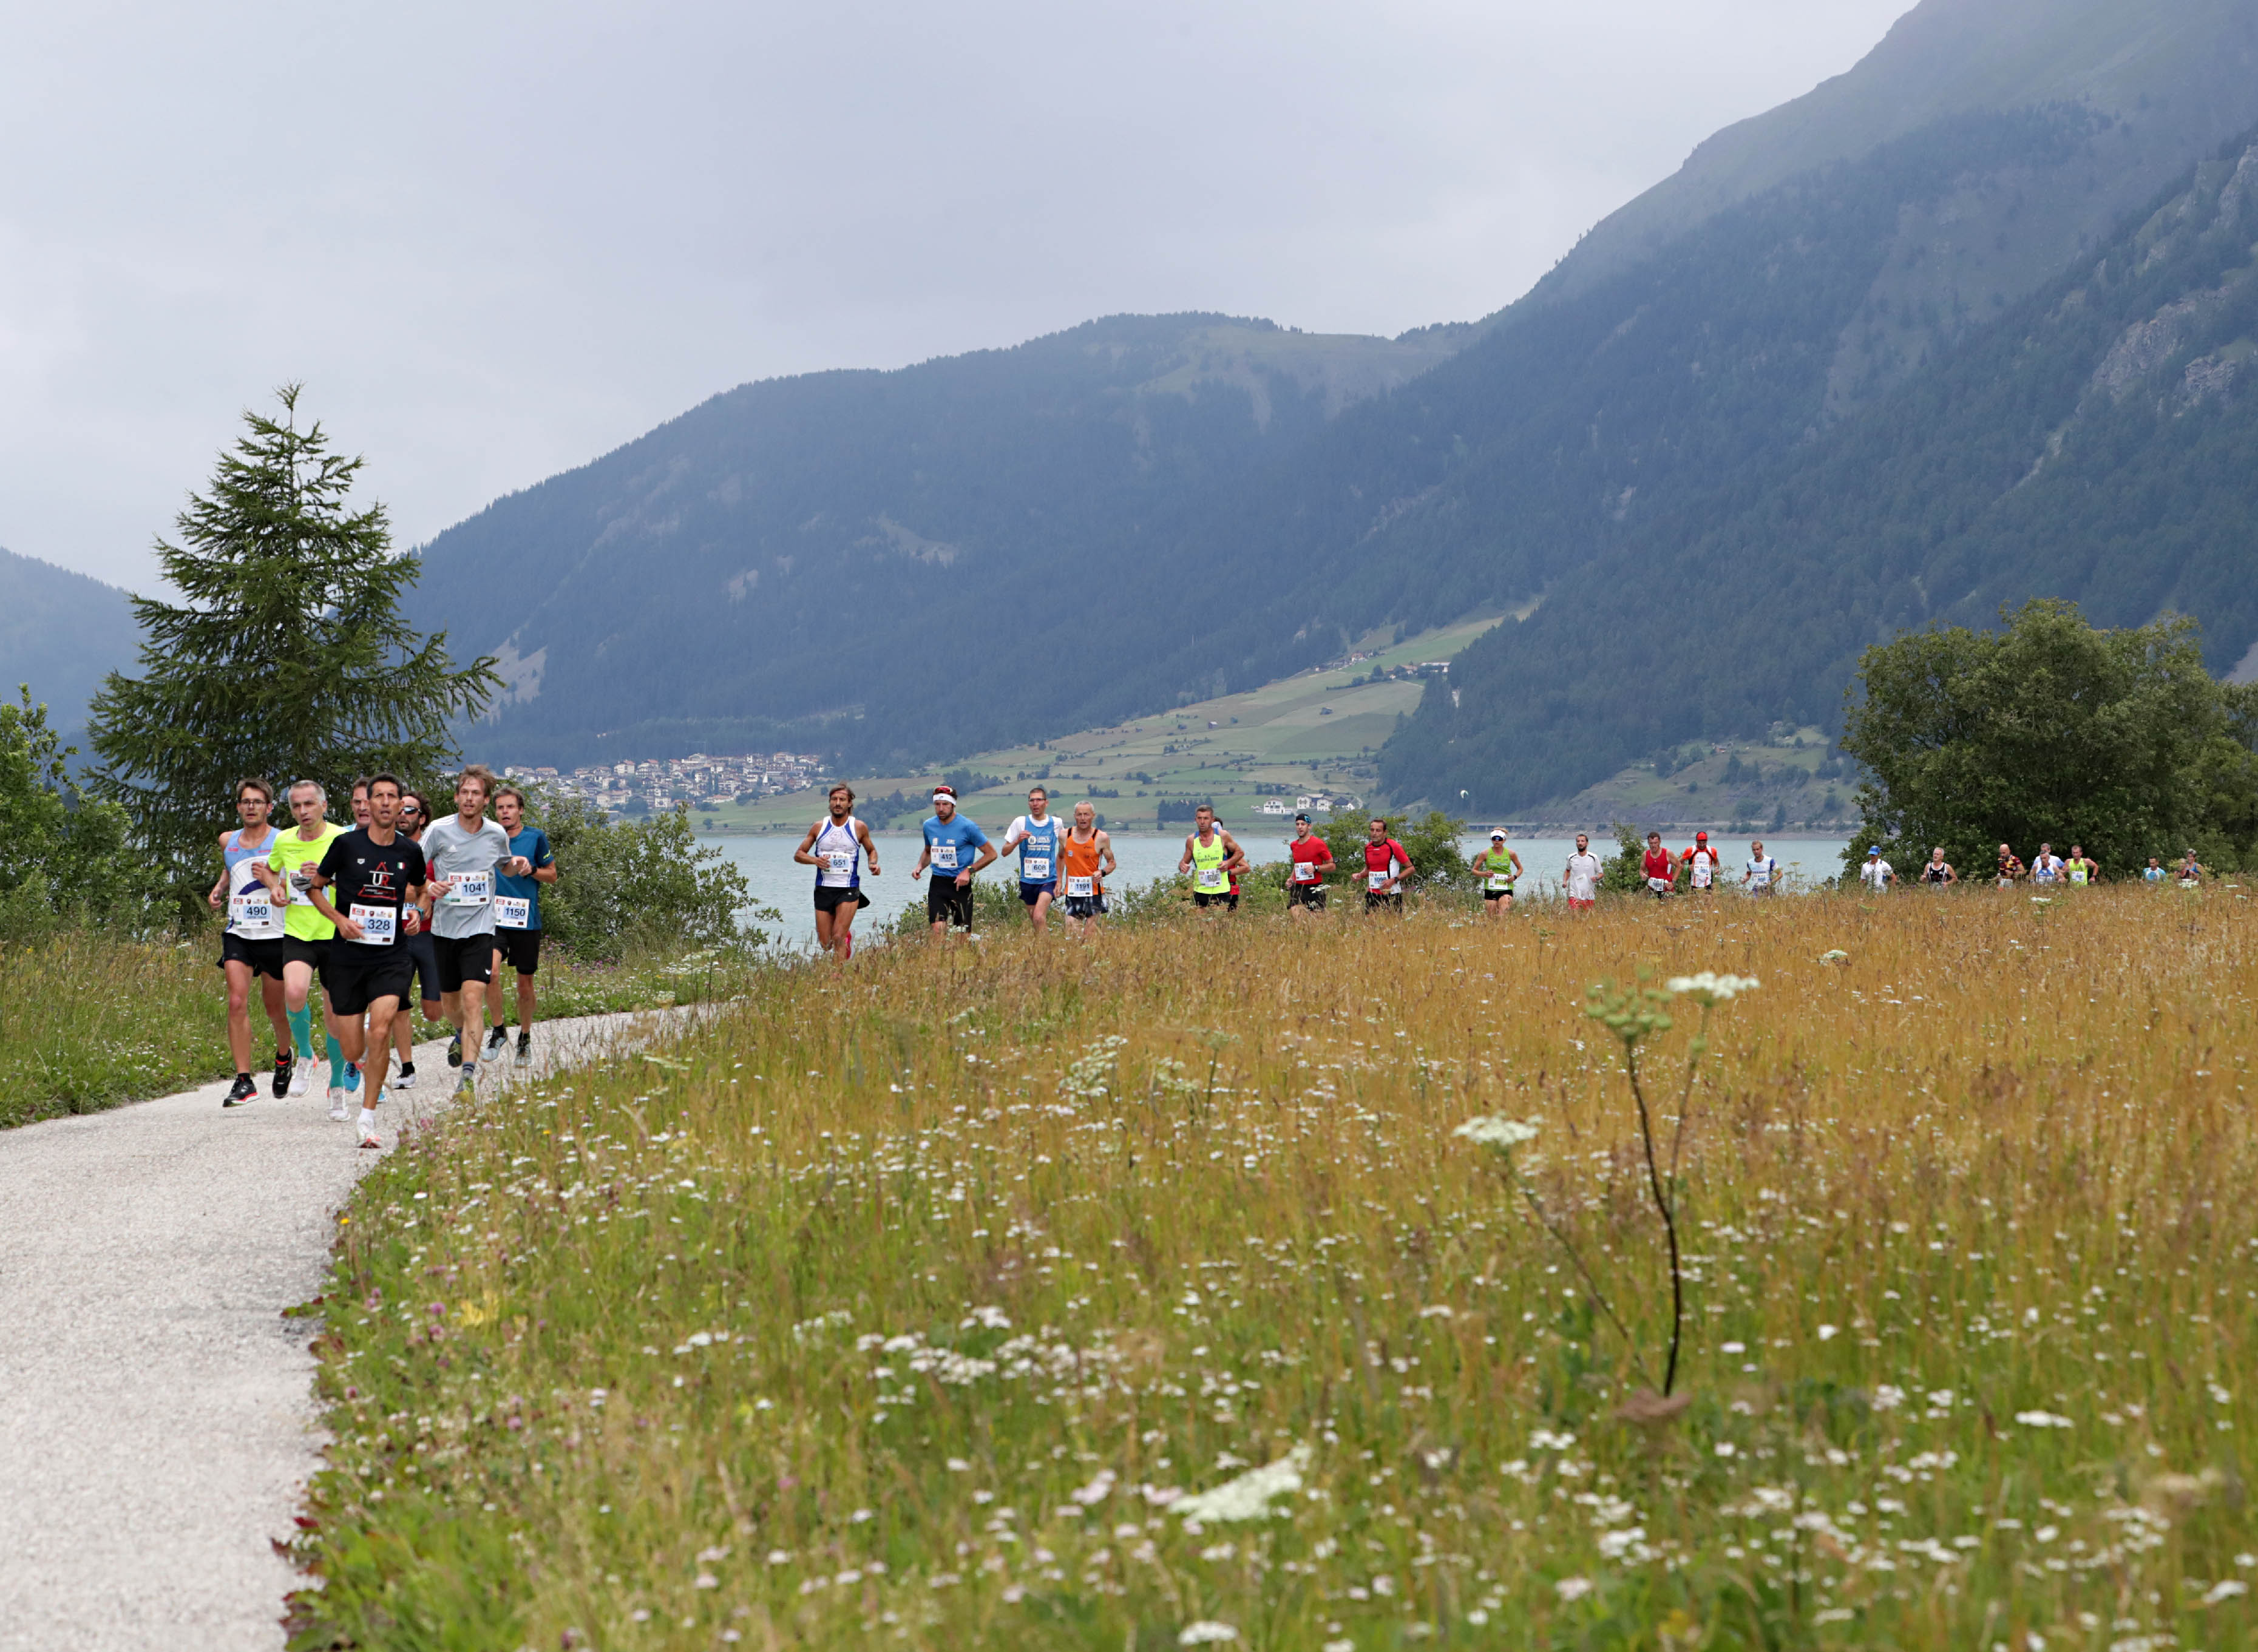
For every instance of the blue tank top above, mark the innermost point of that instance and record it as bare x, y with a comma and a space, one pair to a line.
1039, 852
236, 856
834, 840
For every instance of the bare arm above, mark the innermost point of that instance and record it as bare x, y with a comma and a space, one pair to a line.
1109, 865
807, 843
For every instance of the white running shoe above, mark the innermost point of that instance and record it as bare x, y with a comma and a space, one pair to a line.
368, 1136
302, 1076
405, 1079
336, 1104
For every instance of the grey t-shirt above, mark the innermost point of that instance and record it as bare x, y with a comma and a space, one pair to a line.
452, 849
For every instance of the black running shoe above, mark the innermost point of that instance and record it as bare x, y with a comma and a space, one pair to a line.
497, 1041
282, 1066
455, 1051
524, 1047
243, 1090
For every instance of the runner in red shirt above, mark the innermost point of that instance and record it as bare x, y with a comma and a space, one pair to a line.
1386, 864
1661, 867
1311, 858
1702, 863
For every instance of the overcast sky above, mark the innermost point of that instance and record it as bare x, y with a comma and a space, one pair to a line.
497, 240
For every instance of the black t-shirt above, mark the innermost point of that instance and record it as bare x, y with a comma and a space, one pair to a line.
362, 872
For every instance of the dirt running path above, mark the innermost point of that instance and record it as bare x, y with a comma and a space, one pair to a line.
156, 1417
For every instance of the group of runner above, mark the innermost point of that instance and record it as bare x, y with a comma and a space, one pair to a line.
372, 910
1702, 865
2045, 869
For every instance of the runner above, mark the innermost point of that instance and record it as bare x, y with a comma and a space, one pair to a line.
1499, 868
1086, 860
463, 852
949, 839
2155, 873
360, 802
835, 846
2047, 867
251, 945
1309, 858
1386, 864
1581, 879
2190, 872
1660, 867
1036, 835
413, 817
1702, 863
517, 919
1938, 873
306, 936
2010, 867
379, 878
1213, 858
1876, 874
2079, 869
1761, 876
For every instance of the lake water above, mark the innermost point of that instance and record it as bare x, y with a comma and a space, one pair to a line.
777, 881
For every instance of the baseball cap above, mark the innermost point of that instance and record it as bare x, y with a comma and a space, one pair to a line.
1497, 837
1300, 817
1873, 848
1700, 837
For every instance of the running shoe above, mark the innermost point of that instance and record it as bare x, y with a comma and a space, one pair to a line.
243, 1090
301, 1077
368, 1136
336, 1104
455, 1051
282, 1066
524, 1048
497, 1040
405, 1079
352, 1080
468, 1085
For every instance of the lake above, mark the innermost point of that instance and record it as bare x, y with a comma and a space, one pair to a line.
777, 881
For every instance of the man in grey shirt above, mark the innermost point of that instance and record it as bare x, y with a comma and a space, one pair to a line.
463, 851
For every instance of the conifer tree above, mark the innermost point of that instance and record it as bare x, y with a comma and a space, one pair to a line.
286, 656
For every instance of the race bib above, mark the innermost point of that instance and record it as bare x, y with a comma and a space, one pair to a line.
252, 916
1079, 887
468, 888
1209, 878
378, 924
944, 856
1700, 875
1501, 880
840, 862
1304, 872
301, 889
513, 911
1375, 880
1660, 885
1036, 869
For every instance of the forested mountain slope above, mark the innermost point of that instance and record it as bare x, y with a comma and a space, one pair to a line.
914, 562
2099, 443
60, 633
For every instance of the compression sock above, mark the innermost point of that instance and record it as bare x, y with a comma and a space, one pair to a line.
301, 1031
337, 1065
846, 946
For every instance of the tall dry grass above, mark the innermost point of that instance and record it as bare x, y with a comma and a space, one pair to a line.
921, 1302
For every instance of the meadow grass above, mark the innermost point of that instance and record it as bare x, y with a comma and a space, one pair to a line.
90, 1018
1140, 1295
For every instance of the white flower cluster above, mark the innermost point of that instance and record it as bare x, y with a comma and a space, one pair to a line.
1247, 1497
1496, 1130
1709, 987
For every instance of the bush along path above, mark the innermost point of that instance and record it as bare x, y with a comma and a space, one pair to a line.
155, 1425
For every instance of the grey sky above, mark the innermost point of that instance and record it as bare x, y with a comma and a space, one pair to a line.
498, 240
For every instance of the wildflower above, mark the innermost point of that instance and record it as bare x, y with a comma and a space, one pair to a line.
1205, 1633
1496, 1130
2041, 1420
1829, 1333
1834, 955
2226, 1590
1570, 1589
1709, 987
1247, 1497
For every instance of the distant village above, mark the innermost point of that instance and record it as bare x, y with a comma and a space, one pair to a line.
695, 782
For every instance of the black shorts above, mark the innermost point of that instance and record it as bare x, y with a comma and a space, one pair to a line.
463, 958
351, 983
1085, 906
1309, 895
1229, 898
419, 950
826, 900
1496, 895
1374, 900
1030, 893
945, 904
265, 957
519, 948
315, 953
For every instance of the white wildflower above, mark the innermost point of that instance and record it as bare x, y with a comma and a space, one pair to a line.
2041, 1420
1572, 1588
1247, 1497
1496, 1130
1709, 987
2226, 1590
1206, 1634
1829, 1333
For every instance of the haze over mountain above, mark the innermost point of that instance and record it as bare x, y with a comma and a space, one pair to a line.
906, 567
60, 633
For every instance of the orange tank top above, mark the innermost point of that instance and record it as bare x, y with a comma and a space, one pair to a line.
1081, 858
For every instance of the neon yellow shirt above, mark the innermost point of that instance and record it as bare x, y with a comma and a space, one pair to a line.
291, 852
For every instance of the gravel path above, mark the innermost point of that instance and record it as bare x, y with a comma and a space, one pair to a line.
156, 1415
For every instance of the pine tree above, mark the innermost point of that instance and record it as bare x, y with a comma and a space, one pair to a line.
287, 657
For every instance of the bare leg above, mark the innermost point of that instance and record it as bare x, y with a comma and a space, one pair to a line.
1041, 913
239, 1014
270, 997
525, 1003
378, 1049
